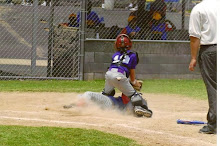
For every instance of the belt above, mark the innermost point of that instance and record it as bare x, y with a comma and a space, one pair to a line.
208, 45
117, 70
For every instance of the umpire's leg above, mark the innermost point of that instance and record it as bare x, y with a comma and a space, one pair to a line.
208, 66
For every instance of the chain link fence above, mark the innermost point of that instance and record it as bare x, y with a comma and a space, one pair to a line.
35, 42
44, 39
143, 19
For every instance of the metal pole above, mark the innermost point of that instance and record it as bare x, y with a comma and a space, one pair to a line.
50, 38
140, 12
34, 37
82, 37
141, 17
183, 13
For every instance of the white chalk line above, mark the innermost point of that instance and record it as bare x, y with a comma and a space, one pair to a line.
147, 131
84, 116
26, 112
189, 139
50, 121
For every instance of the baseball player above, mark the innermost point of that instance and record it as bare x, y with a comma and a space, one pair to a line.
121, 75
102, 101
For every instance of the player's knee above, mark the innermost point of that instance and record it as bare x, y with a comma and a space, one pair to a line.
112, 93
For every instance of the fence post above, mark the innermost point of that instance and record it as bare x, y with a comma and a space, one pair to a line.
82, 37
183, 13
50, 38
34, 37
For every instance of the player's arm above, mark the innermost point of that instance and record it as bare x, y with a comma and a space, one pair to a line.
194, 45
133, 79
195, 35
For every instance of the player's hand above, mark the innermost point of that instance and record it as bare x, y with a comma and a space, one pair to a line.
192, 64
137, 85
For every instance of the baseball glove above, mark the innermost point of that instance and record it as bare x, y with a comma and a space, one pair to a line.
138, 88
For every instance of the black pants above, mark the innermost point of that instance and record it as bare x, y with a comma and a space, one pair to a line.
208, 67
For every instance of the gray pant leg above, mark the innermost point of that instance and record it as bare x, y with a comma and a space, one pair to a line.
208, 66
112, 81
124, 86
100, 99
108, 85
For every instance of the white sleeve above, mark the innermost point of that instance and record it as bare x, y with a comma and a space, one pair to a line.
194, 23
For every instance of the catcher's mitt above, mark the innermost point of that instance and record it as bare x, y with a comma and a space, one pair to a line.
138, 88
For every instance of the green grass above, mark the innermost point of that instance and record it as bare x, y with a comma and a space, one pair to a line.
190, 88
50, 136
53, 136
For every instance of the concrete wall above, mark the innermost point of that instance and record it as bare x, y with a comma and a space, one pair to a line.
158, 60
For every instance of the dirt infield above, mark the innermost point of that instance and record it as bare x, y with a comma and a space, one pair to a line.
46, 109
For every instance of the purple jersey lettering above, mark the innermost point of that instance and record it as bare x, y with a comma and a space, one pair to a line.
129, 61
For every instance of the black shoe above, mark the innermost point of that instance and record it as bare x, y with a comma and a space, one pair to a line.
207, 130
